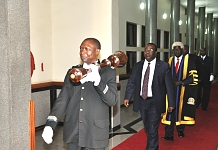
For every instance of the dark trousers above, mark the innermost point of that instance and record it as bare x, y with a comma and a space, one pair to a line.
203, 94
151, 122
74, 146
169, 129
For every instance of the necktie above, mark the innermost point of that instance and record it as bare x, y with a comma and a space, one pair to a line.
177, 65
145, 83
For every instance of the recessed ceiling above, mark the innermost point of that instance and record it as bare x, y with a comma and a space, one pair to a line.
211, 6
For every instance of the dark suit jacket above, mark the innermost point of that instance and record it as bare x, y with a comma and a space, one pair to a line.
162, 84
207, 68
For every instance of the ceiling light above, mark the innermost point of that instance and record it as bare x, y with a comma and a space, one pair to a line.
164, 16
142, 6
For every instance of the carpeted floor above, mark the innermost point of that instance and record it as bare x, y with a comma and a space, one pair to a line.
201, 136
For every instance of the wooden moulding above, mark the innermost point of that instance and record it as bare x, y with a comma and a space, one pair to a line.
32, 125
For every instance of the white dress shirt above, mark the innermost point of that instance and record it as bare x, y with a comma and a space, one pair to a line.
175, 60
151, 74
203, 57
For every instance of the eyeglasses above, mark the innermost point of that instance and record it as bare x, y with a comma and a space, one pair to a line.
85, 48
149, 50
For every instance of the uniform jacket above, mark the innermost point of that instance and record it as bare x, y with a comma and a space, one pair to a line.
86, 109
161, 85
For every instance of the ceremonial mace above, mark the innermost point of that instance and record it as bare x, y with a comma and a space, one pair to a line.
118, 59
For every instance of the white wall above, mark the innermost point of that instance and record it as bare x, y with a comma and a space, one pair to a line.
57, 29
41, 39
74, 21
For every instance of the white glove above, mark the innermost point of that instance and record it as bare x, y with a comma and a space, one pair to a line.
47, 134
211, 77
92, 76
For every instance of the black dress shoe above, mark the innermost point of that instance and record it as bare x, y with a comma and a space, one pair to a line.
167, 138
204, 109
181, 134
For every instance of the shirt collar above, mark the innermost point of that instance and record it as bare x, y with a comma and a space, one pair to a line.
180, 58
86, 66
151, 62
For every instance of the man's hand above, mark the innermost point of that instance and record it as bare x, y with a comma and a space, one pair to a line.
211, 77
170, 109
47, 134
93, 75
177, 83
126, 102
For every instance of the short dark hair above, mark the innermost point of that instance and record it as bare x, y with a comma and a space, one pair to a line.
97, 43
186, 46
203, 48
155, 46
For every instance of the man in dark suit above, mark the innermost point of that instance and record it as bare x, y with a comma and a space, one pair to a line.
185, 80
152, 104
85, 104
207, 78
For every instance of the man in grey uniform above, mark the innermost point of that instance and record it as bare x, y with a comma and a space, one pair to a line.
86, 104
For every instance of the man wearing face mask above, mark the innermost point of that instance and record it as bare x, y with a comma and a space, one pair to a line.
150, 82
185, 80
85, 104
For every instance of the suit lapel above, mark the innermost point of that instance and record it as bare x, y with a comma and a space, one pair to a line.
140, 70
157, 65
156, 70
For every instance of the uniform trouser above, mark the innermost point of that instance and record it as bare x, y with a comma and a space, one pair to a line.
151, 122
203, 96
169, 129
74, 146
